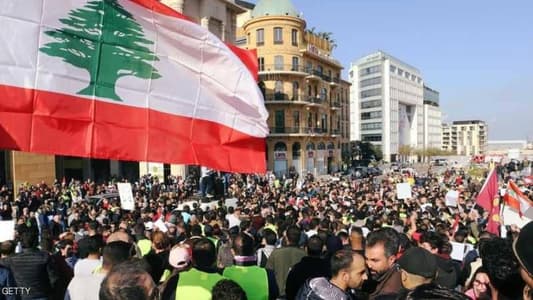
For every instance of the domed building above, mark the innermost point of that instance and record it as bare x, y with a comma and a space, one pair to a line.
304, 94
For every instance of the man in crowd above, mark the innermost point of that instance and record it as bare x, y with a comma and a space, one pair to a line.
348, 271
281, 260
257, 282
128, 280
32, 268
381, 250
524, 253
87, 287
311, 266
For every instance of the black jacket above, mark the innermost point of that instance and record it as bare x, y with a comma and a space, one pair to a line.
32, 269
309, 267
448, 273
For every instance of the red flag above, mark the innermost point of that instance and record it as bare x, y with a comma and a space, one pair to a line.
141, 83
489, 191
516, 199
489, 199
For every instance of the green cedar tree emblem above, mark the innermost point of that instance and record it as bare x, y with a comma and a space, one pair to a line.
104, 39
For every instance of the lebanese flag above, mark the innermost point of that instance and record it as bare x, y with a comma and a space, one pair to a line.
128, 80
489, 199
514, 198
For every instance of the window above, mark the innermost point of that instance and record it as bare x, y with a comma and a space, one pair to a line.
371, 126
369, 70
370, 81
278, 62
400, 72
323, 94
278, 88
261, 63
371, 138
413, 78
260, 37
370, 104
407, 74
309, 119
371, 93
309, 67
319, 70
294, 37
295, 63
371, 115
296, 118
295, 90
278, 35
393, 69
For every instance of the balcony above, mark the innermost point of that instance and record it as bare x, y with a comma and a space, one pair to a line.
282, 69
334, 82
335, 105
312, 101
335, 132
298, 131
313, 75
282, 98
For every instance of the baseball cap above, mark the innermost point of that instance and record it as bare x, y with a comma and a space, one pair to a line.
419, 261
522, 248
180, 256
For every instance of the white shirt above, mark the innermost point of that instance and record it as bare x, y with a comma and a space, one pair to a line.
84, 287
233, 220
85, 267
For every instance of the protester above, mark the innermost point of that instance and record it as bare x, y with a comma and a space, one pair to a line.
87, 287
283, 259
227, 289
311, 266
381, 250
348, 271
128, 280
257, 282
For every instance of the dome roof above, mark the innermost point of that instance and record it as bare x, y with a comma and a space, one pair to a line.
274, 8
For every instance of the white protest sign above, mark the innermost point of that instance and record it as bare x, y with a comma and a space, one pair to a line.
403, 190
231, 202
459, 250
126, 196
451, 198
7, 230
161, 225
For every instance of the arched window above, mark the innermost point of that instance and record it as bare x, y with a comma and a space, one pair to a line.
321, 146
310, 146
280, 146
331, 146
295, 90
296, 150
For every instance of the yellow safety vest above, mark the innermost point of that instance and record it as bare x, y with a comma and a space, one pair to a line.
196, 285
145, 246
252, 279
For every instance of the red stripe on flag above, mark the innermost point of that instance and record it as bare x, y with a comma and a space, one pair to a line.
52, 123
248, 57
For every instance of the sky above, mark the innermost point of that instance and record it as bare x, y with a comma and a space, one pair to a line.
477, 53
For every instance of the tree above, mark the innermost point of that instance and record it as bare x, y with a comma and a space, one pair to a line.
405, 151
105, 40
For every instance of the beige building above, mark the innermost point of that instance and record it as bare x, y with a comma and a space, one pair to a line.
220, 16
304, 94
465, 137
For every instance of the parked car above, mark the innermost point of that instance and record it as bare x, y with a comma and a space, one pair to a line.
97, 199
375, 171
395, 167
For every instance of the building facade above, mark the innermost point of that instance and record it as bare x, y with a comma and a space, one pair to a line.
386, 104
467, 137
220, 17
306, 98
432, 119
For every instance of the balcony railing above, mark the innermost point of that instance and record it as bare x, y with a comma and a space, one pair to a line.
282, 68
299, 98
302, 130
299, 69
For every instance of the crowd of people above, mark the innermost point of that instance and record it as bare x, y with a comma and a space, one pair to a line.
295, 238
